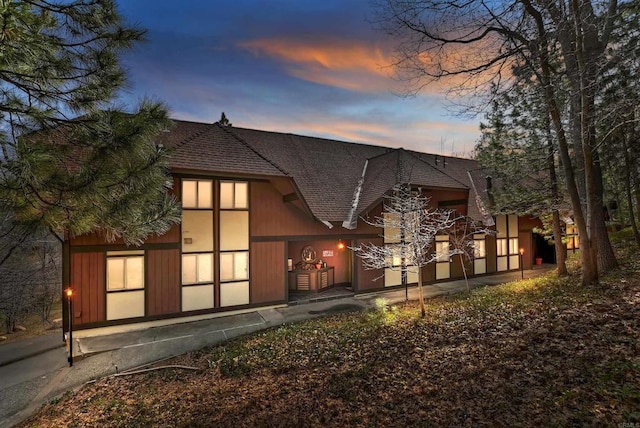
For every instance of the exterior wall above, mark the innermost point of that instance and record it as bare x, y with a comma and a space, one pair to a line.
368, 280
87, 279
163, 282
277, 231
268, 272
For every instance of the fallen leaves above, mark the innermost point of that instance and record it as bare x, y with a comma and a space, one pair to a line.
550, 353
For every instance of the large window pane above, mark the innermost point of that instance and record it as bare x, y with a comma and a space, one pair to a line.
189, 194
241, 197
442, 251
501, 247
226, 267
189, 269
479, 249
391, 229
226, 195
241, 265
205, 194
513, 246
134, 272
234, 230
205, 267
115, 273
197, 231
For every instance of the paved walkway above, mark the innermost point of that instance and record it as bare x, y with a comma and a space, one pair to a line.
109, 350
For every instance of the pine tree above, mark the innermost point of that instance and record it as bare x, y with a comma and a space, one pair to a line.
71, 160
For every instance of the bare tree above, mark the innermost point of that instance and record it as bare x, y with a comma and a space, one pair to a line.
462, 242
410, 228
473, 43
30, 271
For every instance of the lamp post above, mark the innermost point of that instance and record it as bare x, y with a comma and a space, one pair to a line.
69, 294
521, 264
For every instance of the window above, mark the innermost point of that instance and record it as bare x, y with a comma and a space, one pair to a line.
234, 195
501, 249
197, 268
395, 258
234, 266
197, 194
513, 246
125, 270
479, 249
234, 243
197, 245
442, 249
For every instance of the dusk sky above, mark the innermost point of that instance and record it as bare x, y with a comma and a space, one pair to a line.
314, 68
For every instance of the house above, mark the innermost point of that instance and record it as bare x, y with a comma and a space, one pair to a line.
268, 214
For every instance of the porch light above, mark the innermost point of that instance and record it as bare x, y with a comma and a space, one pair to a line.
69, 293
521, 265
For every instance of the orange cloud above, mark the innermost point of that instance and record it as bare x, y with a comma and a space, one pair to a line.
351, 65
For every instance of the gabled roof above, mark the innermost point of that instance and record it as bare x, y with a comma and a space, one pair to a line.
201, 147
325, 171
401, 166
336, 179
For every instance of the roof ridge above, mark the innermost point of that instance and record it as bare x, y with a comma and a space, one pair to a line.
194, 135
250, 147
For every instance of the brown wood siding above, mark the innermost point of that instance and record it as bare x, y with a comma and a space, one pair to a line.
87, 279
163, 282
526, 242
172, 236
267, 272
367, 278
491, 254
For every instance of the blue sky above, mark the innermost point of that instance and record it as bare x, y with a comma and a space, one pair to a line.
306, 67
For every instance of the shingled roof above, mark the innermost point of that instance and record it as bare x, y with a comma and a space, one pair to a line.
202, 147
338, 180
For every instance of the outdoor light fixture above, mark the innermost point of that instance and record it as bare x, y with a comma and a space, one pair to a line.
69, 293
521, 265
340, 245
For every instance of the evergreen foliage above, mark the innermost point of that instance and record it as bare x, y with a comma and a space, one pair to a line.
71, 160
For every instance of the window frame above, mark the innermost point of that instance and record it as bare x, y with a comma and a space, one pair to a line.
124, 256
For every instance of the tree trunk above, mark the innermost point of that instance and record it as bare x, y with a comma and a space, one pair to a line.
464, 271
561, 249
423, 310
589, 265
627, 165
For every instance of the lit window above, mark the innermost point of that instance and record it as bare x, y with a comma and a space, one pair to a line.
501, 247
197, 268
442, 250
513, 246
125, 270
234, 195
197, 194
234, 266
479, 249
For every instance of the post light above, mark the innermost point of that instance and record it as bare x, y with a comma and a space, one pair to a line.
521, 264
69, 293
